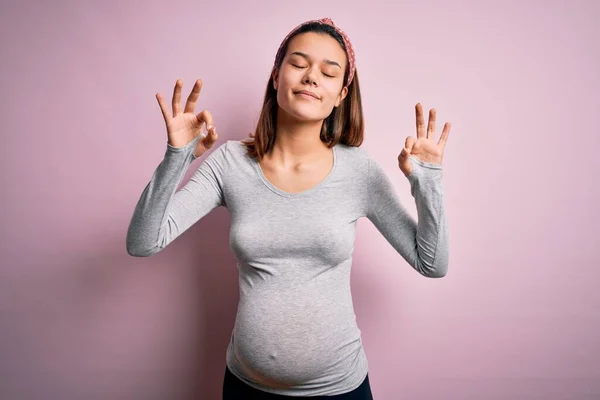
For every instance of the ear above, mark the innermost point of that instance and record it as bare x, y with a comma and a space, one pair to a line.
341, 96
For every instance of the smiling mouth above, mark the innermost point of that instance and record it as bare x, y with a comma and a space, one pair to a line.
306, 95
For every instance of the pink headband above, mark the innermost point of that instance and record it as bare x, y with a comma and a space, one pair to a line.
327, 21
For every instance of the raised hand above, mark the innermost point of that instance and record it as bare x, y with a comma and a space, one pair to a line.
183, 127
424, 146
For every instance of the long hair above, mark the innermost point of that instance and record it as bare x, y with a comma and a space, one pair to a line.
344, 125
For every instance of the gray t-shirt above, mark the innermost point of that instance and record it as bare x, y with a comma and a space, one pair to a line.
295, 331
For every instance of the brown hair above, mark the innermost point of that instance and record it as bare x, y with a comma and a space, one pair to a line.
344, 125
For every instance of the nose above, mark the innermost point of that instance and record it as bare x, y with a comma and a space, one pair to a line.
310, 77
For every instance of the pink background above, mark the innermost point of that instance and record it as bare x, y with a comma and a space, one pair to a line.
515, 318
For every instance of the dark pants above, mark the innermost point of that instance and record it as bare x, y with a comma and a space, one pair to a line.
235, 389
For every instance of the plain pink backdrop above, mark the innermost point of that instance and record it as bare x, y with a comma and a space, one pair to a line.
515, 318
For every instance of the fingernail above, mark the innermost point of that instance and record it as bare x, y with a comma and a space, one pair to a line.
209, 127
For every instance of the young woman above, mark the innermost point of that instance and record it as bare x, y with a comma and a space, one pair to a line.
295, 191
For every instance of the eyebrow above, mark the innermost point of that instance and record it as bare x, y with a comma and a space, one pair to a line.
299, 53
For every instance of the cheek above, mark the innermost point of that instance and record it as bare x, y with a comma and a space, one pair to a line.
284, 86
332, 94
289, 75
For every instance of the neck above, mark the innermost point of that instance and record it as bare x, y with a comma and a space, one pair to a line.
297, 142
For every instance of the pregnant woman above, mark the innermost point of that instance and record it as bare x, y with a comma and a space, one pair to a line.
295, 190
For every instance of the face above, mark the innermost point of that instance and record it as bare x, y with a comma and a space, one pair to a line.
310, 81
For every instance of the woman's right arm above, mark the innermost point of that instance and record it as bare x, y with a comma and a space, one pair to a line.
163, 213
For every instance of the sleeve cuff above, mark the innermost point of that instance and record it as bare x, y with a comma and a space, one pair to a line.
190, 147
422, 169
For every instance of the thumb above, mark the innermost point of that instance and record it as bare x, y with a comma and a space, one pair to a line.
211, 137
403, 156
409, 142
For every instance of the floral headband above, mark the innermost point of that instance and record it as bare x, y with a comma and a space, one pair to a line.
326, 21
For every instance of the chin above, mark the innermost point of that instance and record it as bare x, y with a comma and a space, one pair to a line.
307, 117
303, 112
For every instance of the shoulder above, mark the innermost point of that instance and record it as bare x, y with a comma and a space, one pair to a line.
231, 154
235, 146
359, 157
353, 152
224, 150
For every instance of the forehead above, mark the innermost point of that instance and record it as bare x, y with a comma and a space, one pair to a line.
318, 46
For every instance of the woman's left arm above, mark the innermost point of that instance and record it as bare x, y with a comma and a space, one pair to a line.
422, 243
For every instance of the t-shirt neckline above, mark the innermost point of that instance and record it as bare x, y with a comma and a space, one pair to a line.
308, 191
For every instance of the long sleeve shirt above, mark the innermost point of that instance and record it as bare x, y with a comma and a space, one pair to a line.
295, 331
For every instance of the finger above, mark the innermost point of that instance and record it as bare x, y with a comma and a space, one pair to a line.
209, 140
444, 135
409, 142
176, 103
207, 118
163, 107
431, 124
190, 104
420, 120
249, 138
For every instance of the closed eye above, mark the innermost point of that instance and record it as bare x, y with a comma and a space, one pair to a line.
300, 66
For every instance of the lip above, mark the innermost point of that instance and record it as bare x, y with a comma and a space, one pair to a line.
307, 93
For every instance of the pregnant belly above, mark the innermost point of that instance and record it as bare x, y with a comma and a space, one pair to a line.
289, 343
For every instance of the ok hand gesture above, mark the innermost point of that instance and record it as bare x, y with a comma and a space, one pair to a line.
423, 147
183, 127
